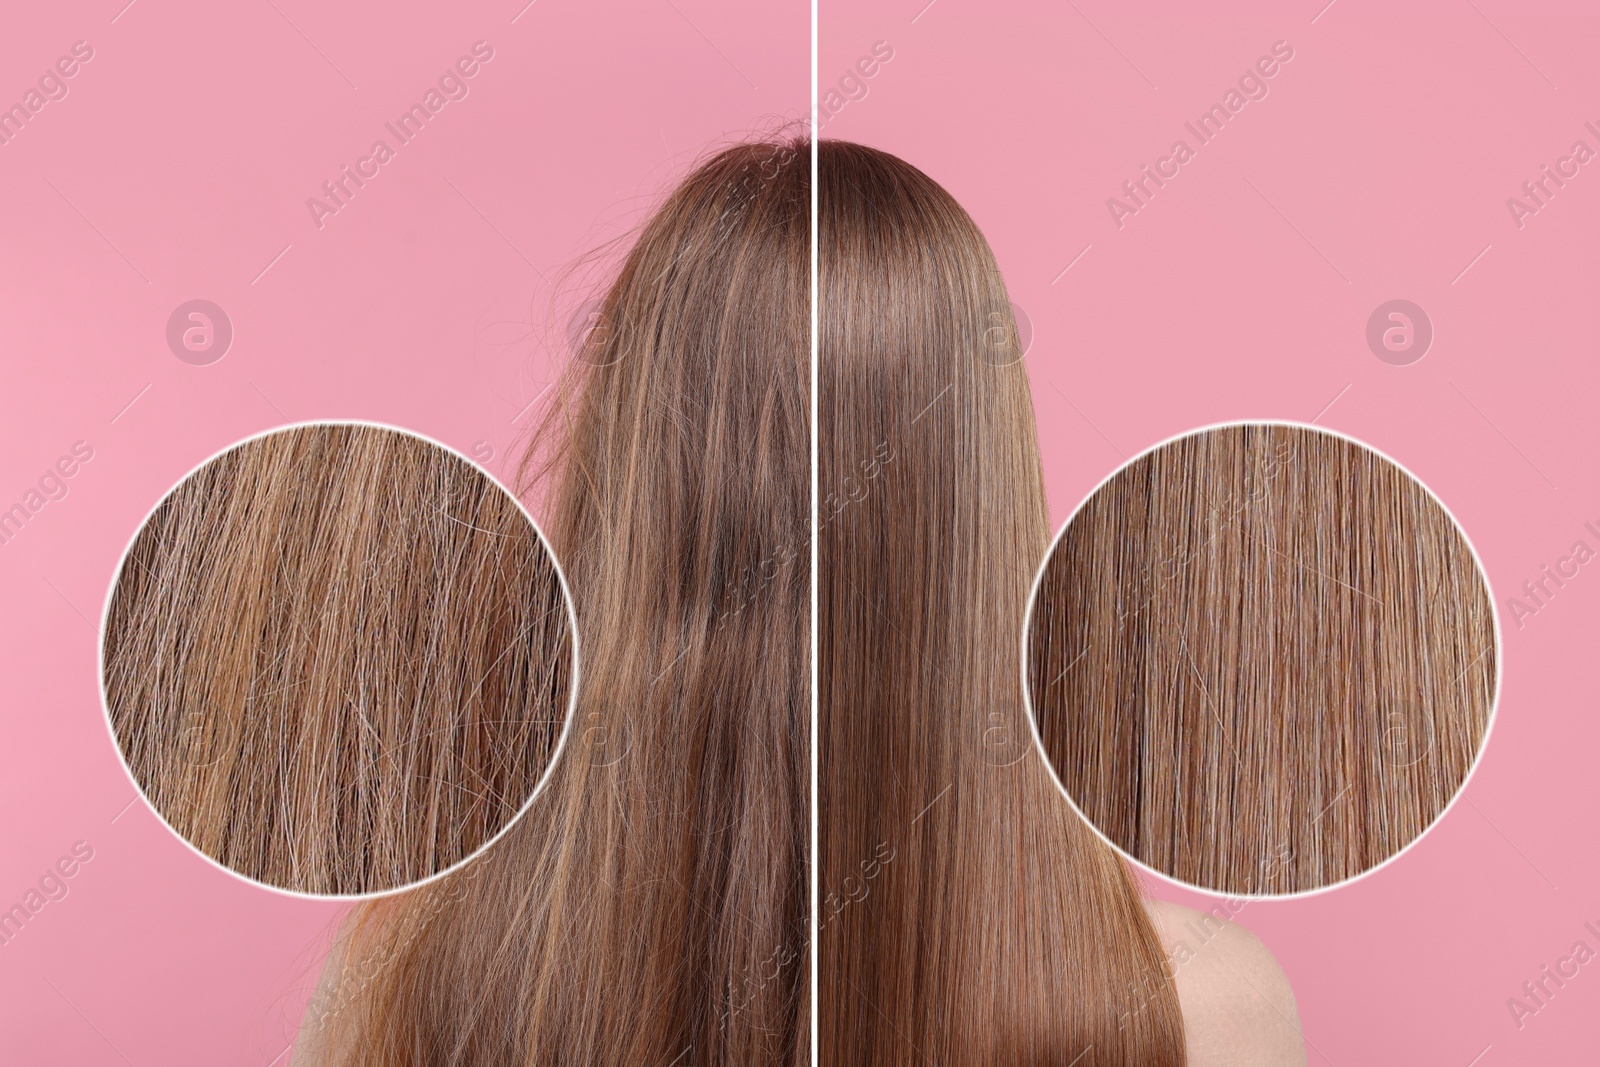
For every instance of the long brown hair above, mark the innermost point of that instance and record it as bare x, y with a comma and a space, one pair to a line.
1262, 658
338, 658
969, 916
650, 908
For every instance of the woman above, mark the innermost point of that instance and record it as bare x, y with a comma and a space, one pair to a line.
651, 908
989, 925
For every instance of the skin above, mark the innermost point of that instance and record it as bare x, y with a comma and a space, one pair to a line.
312, 1045
1238, 1009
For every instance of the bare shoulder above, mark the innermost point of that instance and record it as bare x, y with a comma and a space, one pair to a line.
1238, 1008
315, 1046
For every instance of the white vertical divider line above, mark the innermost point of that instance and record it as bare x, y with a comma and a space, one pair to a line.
814, 934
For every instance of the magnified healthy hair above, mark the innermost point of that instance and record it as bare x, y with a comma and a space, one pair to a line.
650, 907
1262, 659
338, 658
969, 916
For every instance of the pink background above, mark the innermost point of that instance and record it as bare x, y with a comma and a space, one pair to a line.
1377, 167
178, 167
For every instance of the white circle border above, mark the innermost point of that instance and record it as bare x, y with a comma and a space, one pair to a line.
539, 786
1494, 701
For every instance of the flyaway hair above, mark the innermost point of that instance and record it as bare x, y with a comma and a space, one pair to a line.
650, 908
1262, 658
969, 916
338, 659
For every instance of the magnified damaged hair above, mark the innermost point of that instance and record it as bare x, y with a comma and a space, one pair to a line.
650, 908
338, 659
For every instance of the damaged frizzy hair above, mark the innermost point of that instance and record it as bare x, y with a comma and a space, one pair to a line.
338, 659
1262, 658
969, 916
650, 907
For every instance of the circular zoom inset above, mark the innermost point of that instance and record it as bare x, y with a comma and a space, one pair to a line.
338, 659
1261, 659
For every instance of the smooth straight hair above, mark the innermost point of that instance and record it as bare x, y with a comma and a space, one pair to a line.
969, 916
650, 908
338, 658
1262, 658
